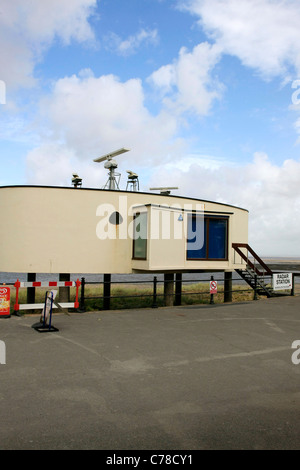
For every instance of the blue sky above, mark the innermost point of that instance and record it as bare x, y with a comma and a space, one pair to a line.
203, 92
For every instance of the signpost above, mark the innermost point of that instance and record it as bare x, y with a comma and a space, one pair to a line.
282, 281
4, 302
213, 288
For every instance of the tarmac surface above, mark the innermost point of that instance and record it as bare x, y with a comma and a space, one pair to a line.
207, 377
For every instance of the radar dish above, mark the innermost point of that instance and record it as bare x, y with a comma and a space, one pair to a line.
111, 165
109, 156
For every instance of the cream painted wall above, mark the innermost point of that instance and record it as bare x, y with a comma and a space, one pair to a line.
57, 230
169, 250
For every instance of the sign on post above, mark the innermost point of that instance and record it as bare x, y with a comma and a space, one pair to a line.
282, 281
4, 301
213, 287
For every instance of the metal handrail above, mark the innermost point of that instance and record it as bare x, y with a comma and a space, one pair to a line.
237, 246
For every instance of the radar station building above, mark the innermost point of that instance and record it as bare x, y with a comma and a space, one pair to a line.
69, 230
66, 230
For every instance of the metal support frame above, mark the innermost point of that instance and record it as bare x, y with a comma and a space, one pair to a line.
43, 326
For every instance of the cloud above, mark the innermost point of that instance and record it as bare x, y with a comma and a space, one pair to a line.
91, 115
87, 116
53, 163
263, 34
130, 45
188, 84
49, 164
27, 29
270, 192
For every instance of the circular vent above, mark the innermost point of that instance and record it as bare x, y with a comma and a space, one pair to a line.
116, 218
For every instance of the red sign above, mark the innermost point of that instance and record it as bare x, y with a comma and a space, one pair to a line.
4, 301
213, 287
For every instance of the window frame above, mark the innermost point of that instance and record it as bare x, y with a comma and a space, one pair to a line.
207, 218
144, 239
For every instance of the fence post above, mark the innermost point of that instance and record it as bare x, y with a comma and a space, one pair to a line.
82, 299
106, 291
212, 295
178, 288
154, 303
293, 284
255, 287
31, 277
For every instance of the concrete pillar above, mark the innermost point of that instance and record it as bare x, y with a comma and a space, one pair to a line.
228, 287
64, 292
169, 289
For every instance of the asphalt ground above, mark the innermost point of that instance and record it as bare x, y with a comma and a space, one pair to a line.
207, 377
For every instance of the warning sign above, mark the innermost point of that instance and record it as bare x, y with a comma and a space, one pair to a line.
213, 287
282, 281
4, 301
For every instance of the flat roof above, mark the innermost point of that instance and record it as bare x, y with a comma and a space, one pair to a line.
122, 191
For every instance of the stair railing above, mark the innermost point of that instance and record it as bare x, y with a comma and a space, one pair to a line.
237, 247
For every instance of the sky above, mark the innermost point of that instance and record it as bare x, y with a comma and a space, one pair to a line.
204, 93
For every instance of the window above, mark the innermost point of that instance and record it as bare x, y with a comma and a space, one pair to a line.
207, 237
140, 235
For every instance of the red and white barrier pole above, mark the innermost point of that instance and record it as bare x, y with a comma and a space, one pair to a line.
18, 285
78, 284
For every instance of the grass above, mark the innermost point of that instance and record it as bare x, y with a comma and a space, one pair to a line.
141, 296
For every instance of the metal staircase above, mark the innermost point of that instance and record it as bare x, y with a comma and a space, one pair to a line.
257, 283
256, 273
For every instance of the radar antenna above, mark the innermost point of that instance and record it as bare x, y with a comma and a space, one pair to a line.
111, 165
133, 181
76, 181
164, 191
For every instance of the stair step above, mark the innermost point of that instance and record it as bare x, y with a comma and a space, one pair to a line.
255, 281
